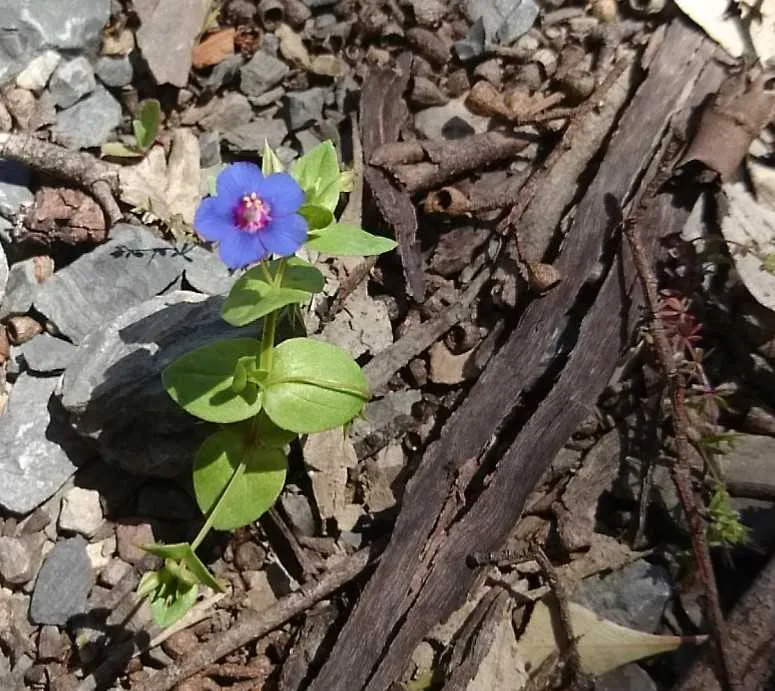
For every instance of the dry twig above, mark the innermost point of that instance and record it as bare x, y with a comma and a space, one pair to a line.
254, 625
97, 177
681, 470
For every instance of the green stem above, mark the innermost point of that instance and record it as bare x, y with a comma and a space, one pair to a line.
208, 524
265, 363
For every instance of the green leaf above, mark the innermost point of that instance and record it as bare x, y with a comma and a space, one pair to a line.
269, 161
182, 553
119, 150
346, 240
250, 493
317, 216
146, 125
201, 382
252, 296
171, 600
313, 386
318, 175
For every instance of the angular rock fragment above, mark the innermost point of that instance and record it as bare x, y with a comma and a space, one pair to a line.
33, 466
63, 584
130, 268
113, 388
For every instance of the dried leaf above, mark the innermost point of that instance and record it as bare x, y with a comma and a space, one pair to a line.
328, 455
603, 645
749, 229
292, 48
728, 28
165, 189
215, 48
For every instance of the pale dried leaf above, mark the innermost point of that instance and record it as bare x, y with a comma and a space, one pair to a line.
716, 21
362, 325
328, 455
292, 47
749, 229
603, 645
165, 189
727, 29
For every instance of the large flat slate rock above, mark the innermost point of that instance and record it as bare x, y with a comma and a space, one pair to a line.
113, 387
131, 267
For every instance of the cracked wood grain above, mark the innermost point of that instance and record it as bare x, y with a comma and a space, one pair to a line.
561, 338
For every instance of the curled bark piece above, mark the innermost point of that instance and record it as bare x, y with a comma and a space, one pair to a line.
84, 170
446, 160
447, 200
728, 127
22, 329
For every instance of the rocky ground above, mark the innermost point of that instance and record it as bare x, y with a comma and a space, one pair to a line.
103, 282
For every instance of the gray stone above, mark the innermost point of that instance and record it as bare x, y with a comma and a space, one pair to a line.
131, 267
261, 73
89, 122
114, 71
384, 413
33, 466
113, 389
299, 512
14, 179
223, 73
630, 677
81, 512
221, 113
208, 274
504, 21
21, 288
210, 149
46, 354
167, 34
305, 107
15, 561
251, 137
63, 584
634, 597
71, 81
308, 140
36, 75
30, 26
267, 98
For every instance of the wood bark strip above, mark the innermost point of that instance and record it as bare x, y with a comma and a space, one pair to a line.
382, 112
417, 584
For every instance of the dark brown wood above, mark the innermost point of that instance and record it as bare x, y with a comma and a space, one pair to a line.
563, 344
382, 112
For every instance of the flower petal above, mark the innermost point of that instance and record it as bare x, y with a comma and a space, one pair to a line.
214, 219
285, 235
241, 249
282, 192
237, 180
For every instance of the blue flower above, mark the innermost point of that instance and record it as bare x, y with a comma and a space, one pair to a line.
252, 216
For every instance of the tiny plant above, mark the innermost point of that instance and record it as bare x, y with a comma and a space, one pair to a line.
144, 127
260, 393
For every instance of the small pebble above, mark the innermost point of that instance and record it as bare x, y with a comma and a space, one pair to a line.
81, 512
128, 539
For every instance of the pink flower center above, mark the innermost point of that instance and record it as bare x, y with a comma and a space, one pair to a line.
252, 213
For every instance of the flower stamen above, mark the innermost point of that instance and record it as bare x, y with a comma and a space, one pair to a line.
252, 213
